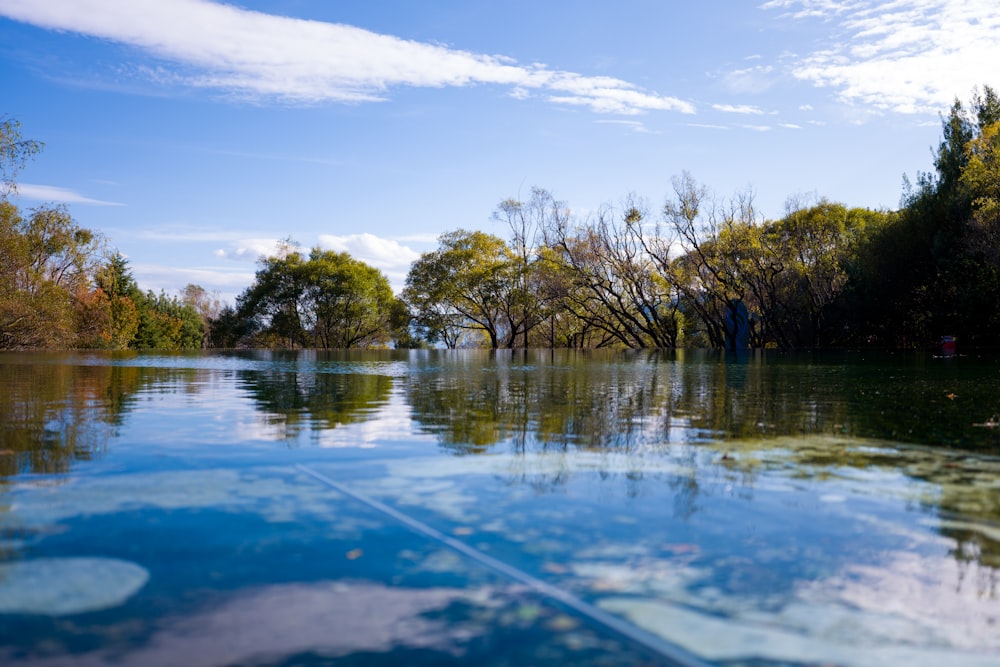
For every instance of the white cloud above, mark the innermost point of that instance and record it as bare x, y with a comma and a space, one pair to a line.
905, 56
248, 249
266, 56
226, 283
419, 238
756, 79
607, 95
390, 257
171, 277
185, 234
812, 8
634, 125
52, 193
739, 108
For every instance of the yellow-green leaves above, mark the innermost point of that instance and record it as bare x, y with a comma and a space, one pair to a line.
327, 299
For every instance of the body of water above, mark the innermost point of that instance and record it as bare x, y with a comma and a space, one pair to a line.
509, 508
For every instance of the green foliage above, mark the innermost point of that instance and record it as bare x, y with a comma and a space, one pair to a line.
228, 329
113, 309
328, 300
45, 260
350, 303
272, 305
934, 269
167, 323
404, 334
55, 292
610, 283
981, 181
812, 250
471, 283
824, 274
120, 316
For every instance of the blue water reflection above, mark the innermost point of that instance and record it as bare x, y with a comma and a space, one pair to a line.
172, 509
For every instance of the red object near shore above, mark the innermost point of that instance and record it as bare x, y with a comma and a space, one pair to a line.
948, 344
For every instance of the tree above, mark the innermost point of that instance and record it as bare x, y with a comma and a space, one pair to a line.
115, 299
562, 326
528, 222
696, 251
980, 264
350, 303
328, 300
54, 289
207, 305
121, 316
272, 305
167, 323
816, 248
45, 262
981, 181
469, 283
14, 154
228, 329
929, 273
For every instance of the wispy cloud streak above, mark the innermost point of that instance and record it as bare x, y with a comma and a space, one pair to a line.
52, 193
739, 108
265, 56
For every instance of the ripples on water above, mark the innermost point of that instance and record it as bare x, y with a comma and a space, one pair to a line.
812, 509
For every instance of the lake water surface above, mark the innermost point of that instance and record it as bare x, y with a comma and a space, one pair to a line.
518, 508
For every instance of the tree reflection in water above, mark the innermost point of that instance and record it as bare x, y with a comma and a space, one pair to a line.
817, 415
809, 416
54, 413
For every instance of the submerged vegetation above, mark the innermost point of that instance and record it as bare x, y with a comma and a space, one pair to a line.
825, 274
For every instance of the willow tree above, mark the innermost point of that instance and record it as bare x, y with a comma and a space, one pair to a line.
528, 222
616, 288
42, 258
273, 305
327, 299
469, 284
15, 151
46, 261
349, 303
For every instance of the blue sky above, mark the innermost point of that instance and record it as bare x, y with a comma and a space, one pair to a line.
196, 134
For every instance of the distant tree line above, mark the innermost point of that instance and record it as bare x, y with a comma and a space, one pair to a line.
822, 275
61, 288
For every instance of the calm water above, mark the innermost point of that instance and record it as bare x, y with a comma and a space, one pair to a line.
435, 508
